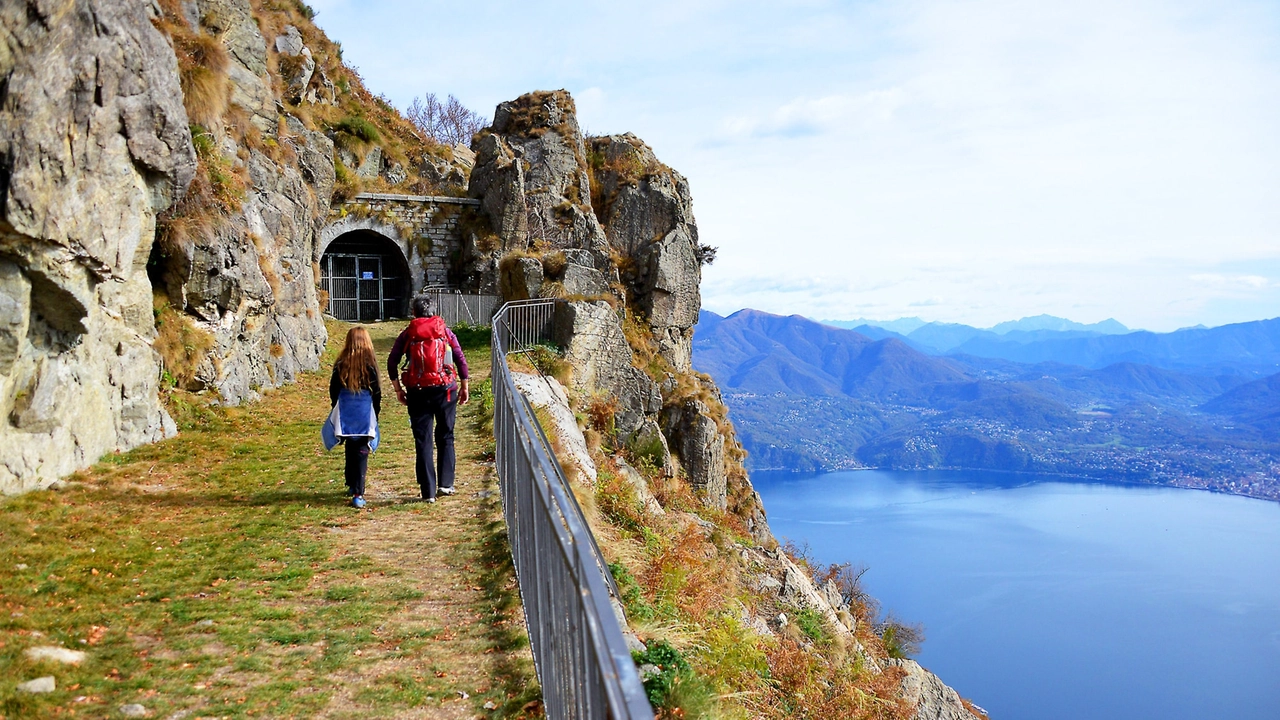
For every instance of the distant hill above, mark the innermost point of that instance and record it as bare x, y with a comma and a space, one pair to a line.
1251, 349
1256, 403
940, 338
1048, 322
901, 326
807, 396
762, 353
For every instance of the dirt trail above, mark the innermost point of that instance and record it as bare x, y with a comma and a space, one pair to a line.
454, 553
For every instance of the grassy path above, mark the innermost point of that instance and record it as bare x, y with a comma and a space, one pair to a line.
221, 574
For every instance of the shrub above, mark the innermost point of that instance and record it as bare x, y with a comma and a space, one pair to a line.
602, 409
638, 608
617, 500
674, 690
812, 624
346, 184
357, 127
546, 360
901, 640
648, 454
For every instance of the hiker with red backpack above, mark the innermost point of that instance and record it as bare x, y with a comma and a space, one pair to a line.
432, 383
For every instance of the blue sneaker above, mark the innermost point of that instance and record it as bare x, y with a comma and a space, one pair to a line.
358, 501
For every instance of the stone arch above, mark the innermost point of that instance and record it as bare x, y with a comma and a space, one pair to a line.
337, 228
366, 270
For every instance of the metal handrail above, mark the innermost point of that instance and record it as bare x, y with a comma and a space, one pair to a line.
582, 659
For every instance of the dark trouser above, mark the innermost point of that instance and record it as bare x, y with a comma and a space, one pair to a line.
436, 406
357, 463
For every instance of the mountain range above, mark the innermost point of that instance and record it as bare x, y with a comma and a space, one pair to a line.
1250, 349
808, 396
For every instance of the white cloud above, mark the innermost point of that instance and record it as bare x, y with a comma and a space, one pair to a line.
1248, 282
804, 117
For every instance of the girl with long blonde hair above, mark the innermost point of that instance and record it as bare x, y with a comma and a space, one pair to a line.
356, 397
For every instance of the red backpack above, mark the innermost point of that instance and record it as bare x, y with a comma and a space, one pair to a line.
429, 355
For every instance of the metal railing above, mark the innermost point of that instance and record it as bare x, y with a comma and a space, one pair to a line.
583, 662
456, 306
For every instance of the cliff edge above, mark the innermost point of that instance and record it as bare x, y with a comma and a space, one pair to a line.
723, 621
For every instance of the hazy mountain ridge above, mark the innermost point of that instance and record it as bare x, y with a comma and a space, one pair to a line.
808, 396
1250, 349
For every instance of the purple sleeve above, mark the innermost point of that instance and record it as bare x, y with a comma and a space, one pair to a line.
397, 352
458, 358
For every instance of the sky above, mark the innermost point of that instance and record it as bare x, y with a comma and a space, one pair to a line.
965, 161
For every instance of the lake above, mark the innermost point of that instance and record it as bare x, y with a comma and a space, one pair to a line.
1045, 599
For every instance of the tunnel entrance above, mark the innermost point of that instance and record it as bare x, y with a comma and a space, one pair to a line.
366, 276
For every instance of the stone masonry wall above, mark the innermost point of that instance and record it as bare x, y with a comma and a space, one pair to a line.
434, 236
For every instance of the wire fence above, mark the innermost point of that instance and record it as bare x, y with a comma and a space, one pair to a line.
583, 662
456, 306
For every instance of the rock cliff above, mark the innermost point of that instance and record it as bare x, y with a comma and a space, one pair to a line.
603, 224
165, 170
94, 141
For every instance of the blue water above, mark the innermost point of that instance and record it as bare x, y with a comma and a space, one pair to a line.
1047, 600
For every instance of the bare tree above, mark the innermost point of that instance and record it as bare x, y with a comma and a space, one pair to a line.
449, 122
901, 639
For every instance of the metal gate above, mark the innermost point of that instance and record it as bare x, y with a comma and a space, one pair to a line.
359, 288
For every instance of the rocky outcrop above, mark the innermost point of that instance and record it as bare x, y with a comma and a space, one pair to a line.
647, 214
697, 440
93, 142
595, 347
543, 192
533, 182
932, 698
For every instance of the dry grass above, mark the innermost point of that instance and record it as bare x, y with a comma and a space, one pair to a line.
182, 346
529, 114
202, 66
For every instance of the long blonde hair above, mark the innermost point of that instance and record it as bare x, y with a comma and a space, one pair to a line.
356, 360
